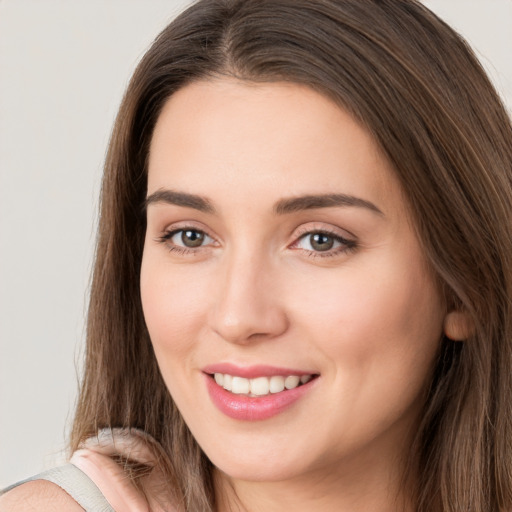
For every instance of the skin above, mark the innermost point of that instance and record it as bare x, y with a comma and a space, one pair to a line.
365, 316
38, 495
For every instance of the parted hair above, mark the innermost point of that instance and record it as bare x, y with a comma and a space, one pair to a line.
418, 89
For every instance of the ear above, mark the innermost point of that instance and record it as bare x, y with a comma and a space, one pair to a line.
458, 325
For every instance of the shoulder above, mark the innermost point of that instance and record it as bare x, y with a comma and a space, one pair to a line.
107, 458
38, 495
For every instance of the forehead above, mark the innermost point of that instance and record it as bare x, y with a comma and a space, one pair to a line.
267, 140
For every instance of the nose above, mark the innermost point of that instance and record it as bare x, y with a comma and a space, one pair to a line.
248, 305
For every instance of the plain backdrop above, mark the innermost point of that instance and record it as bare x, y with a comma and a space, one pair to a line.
64, 65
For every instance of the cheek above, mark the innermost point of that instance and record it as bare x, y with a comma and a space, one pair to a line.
172, 305
379, 334
370, 323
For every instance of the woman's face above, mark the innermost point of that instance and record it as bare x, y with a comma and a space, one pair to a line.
278, 247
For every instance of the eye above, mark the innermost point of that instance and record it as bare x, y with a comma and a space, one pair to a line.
187, 238
322, 243
318, 242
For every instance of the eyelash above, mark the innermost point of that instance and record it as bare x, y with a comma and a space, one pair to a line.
346, 246
168, 235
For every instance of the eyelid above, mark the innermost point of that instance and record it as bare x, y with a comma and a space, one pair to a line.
171, 230
318, 227
347, 243
187, 225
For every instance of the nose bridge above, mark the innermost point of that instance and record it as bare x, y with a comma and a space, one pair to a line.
248, 302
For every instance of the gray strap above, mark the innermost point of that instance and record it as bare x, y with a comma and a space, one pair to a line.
77, 484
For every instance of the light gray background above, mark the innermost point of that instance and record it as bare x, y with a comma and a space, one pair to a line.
63, 67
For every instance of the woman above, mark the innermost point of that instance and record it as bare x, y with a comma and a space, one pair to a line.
301, 295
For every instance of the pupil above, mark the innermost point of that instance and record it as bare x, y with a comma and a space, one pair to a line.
192, 238
321, 242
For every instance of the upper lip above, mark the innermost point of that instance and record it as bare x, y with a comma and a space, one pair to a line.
253, 371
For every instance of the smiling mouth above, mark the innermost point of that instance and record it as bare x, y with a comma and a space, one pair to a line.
260, 386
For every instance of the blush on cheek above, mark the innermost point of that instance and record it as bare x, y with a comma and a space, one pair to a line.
386, 314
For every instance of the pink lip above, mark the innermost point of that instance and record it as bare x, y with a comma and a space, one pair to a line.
246, 408
251, 372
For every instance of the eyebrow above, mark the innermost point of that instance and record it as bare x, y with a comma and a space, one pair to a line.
282, 207
180, 199
311, 202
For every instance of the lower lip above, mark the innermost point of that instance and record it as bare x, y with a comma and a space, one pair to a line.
248, 408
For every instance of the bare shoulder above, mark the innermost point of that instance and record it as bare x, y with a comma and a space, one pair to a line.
38, 495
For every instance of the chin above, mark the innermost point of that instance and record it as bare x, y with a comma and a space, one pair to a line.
260, 462
257, 471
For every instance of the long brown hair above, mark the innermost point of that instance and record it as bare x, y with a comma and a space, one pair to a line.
417, 87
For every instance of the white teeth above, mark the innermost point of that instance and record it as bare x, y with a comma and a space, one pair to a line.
227, 382
240, 386
291, 382
276, 384
259, 386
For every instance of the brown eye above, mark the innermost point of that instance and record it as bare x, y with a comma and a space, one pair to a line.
321, 241
324, 243
186, 238
192, 238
